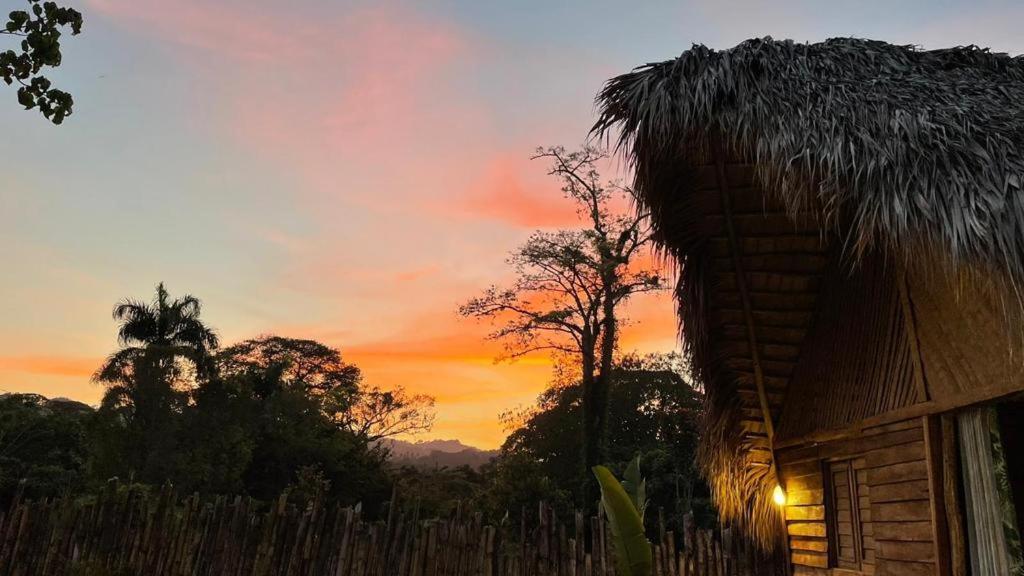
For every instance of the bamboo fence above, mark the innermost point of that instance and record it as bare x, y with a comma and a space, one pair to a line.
127, 531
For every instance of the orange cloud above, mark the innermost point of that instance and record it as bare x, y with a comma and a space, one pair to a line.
433, 334
651, 324
514, 189
440, 354
50, 365
416, 274
449, 358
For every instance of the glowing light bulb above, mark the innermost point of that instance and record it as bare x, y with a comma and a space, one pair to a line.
779, 495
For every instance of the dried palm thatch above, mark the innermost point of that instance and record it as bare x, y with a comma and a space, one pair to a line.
893, 148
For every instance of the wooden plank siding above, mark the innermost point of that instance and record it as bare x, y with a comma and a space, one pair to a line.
857, 361
969, 347
894, 501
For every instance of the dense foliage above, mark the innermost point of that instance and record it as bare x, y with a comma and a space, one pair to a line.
274, 414
653, 413
260, 417
42, 442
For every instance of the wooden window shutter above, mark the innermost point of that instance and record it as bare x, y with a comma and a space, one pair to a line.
851, 536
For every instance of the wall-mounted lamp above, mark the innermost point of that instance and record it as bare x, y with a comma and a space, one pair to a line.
779, 495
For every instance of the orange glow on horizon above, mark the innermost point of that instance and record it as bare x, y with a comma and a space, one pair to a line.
50, 365
441, 355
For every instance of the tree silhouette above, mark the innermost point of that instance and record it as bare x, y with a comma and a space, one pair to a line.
40, 32
316, 368
570, 285
380, 414
318, 371
165, 347
155, 337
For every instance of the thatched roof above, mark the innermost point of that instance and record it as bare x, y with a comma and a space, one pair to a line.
889, 148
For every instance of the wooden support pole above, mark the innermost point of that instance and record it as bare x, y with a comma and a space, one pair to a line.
951, 496
910, 324
934, 452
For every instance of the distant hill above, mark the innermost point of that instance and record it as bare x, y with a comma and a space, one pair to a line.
437, 453
59, 404
69, 406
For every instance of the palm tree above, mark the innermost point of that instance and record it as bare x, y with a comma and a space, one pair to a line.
159, 341
153, 338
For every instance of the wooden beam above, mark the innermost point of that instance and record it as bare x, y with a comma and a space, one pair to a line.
741, 285
951, 497
937, 493
952, 402
910, 325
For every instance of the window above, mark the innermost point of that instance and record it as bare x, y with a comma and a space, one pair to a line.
988, 470
848, 512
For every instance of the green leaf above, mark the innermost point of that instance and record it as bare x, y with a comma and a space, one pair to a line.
635, 486
26, 98
632, 550
18, 18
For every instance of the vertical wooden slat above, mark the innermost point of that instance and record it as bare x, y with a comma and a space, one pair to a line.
951, 494
910, 324
126, 531
933, 458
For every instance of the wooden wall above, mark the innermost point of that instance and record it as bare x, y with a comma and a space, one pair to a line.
901, 538
857, 360
970, 338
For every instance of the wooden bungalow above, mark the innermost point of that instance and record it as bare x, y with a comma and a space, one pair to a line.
847, 219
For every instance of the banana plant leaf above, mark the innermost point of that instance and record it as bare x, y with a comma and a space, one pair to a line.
632, 550
635, 485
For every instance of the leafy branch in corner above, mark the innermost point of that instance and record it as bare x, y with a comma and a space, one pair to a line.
40, 30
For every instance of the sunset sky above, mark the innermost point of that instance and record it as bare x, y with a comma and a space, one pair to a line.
343, 171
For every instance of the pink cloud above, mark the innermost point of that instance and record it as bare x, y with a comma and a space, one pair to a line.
289, 243
231, 29
317, 89
392, 62
515, 190
365, 108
